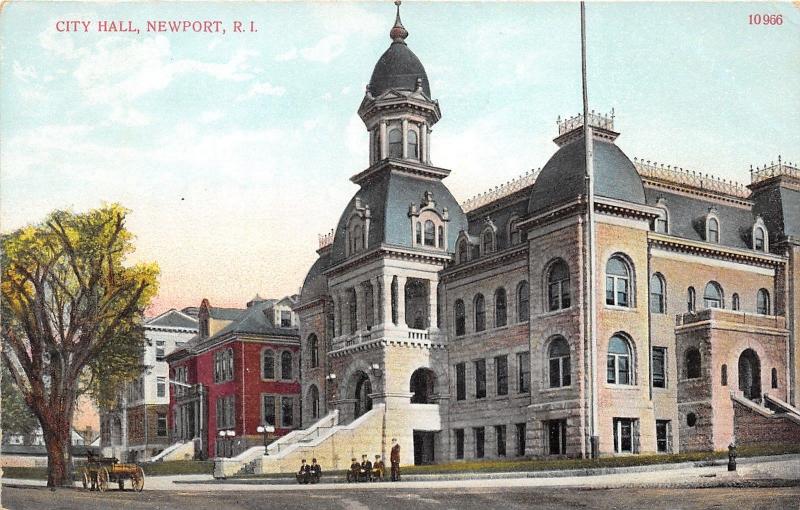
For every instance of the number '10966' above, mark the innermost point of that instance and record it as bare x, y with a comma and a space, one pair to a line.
765, 19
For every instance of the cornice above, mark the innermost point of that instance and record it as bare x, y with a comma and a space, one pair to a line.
390, 251
405, 166
678, 244
692, 191
380, 343
484, 263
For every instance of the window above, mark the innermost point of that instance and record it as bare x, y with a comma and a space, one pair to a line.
488, 241
659, 367
419, 233
712, 296
693, 364
268, 409
352, 308
286, 365
161, 387
313, 396
758, 239
500, 314
223, 365
691, 419
225, 412
161, 424
559, 366
556, 437
286, 319
558, 286
160, 348
514, 234
480, 436
618, 282
619, 361
430, 233
774, 378
287, 411
461, 381
500, 435
712, 230
523, 303
460, 318
441, 236
723, 375
762, 302
524, 372
462, 251
480, 378
357, 238
459, 433
411, 150
623, 435
501, 374
520, 439
268, 364
313, 348
480, 313
657, 291
663, 443
735, 301
395, 143
691, 299
661, 224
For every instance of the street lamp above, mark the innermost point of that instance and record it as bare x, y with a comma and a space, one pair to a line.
266, 430
230, 434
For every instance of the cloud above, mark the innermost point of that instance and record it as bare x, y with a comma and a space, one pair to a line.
287, 55
262, 89
24, 74
327, 49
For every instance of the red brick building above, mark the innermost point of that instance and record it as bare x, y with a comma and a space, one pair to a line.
242, 370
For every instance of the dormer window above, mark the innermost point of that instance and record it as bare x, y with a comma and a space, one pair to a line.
395, 143
487, 241
286, 319
462, 251
760, 238
712, 227
412, 145
661, 223
430, 233
428, 224
515, 235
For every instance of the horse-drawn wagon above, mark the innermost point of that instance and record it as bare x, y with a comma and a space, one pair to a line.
100, 471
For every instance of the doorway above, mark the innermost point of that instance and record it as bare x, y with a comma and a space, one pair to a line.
750, 374
423, 447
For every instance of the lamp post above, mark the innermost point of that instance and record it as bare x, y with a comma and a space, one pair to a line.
230, 434
266, 430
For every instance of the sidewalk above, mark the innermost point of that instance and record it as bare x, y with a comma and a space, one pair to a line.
758, 471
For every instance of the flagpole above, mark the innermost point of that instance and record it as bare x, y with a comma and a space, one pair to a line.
591, 330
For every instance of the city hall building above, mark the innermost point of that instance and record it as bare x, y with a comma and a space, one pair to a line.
467, 330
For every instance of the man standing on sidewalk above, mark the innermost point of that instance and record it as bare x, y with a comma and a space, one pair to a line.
395, 460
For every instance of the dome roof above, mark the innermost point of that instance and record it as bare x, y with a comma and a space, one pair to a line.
398, 68
315, 284
562, 178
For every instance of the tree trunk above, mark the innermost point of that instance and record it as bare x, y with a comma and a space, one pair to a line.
57, 441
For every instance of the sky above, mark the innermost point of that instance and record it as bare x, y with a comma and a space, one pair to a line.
234, 151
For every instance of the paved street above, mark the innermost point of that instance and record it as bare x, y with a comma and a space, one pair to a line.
783, 498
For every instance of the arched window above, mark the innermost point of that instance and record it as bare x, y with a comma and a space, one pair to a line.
357, 238
441, 236
430, 233
460, 316
620, 361
692, 364
735, 301
523, 301
618, 282
462, 251
286, 365
657, 294
268, 364
774, 377
712, 296
395, 143
661, 223
559, 363
723, 375
480, 313
759, 243
313, 397
515, 235
500, 312
419, 232
762, 302
488, 241
712, 229
558, 295
412, 144
691, 299
313, 348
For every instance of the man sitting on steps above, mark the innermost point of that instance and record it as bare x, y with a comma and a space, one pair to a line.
355, 468
304, 473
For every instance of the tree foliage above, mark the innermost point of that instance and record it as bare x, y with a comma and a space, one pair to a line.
72, 312
17, 417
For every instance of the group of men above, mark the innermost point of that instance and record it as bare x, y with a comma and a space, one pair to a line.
309, 473
367, 471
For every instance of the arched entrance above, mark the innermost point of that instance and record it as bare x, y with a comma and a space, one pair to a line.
750, 374
423, 386
363, 387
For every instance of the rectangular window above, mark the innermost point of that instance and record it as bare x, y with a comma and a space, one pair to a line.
500, 435
160, 348
286, 319
220, 413
161, 424
524, 372
269, 409
480, 436
480, 378
663, 435
287, 410
659, 367
461, 381
459, 443
556, 437
501, 372
624, 441
230, 409
161, 386
521, 430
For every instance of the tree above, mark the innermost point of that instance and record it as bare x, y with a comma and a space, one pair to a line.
17, 418
72, 315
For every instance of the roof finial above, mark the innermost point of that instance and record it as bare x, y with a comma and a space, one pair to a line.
398, 33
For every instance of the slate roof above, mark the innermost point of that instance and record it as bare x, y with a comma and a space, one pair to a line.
224, 314
173, 319
316, 284
398, 69
780, 208
254, 321
562, 178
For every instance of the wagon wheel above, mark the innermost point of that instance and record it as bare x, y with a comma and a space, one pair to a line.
102, 479
137, 479
85, 478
